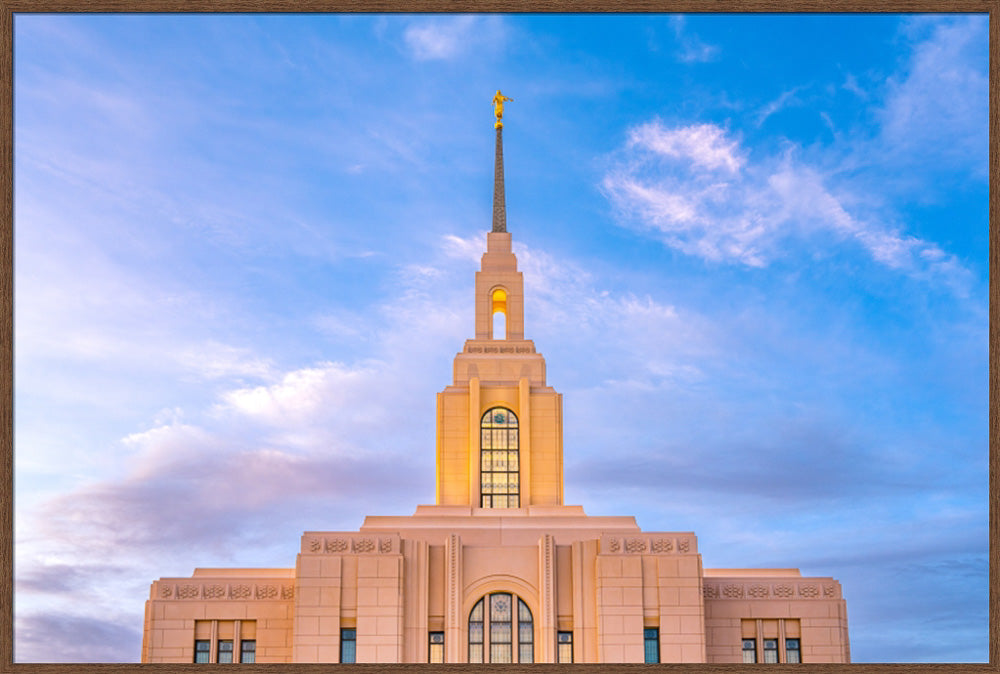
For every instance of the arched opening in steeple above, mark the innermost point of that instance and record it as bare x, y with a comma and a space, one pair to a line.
498, 311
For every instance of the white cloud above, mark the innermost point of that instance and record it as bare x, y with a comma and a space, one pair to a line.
938, 106
693, 188
705, 145
441, 38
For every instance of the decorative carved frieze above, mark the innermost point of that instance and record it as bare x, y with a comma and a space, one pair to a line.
215, 590
783, 591
661, 545
499, 349
189, 592
732, 591
267, 592
808, 591
759, 590
642, 545
348, 543
635, 545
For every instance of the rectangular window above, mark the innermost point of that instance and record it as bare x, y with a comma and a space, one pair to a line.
651, 638
749, 650
435, 647
202, 650
793, 653
770, 651
248, 650
564, 647
225, 650
348, 645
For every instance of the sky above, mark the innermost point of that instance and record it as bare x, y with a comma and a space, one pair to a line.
755, 258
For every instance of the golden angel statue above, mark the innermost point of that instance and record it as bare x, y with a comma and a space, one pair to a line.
498, 101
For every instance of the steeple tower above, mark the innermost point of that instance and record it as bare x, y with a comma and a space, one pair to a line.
499, 439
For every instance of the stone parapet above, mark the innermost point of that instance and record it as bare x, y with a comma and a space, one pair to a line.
349, 543
245, 589
683, 543
763, 588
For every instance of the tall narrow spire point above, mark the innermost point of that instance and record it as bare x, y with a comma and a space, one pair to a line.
499, 202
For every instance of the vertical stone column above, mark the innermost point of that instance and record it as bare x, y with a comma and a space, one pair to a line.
380, 608
316, 618
415, 598
524, 439
619, 606
681, 605
584, 601
453, 618
474, 433
545, 649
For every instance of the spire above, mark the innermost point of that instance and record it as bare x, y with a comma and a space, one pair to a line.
499, 203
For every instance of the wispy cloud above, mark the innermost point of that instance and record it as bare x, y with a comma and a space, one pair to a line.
442, 38
694, 188
937, 105
786, 99
690, 48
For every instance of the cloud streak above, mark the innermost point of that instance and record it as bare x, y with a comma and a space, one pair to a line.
692, 188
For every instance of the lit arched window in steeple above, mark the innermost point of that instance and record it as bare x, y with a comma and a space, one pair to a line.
498, 469
499, 313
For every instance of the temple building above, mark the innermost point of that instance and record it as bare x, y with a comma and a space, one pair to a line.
499, 569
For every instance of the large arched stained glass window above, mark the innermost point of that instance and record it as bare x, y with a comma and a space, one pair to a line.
499, 477
496, 632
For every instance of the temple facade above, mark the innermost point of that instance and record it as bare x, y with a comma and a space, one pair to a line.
499, 569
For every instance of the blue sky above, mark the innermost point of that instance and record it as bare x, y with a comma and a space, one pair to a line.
755, 257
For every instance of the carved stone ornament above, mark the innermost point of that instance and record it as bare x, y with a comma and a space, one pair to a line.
614, 545
662, 545
166, 591
315, 545
336, 545
385, 545
809, 591
710, 591
783, 591
267, 592
189, 591
684, 545
215, 591
758, 591
287, 591
635, 545
240, 592
830, 590
364, 545
732, 591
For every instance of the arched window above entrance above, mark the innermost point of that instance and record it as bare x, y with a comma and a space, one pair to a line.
500, 626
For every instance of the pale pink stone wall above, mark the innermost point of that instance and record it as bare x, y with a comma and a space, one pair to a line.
816, 603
